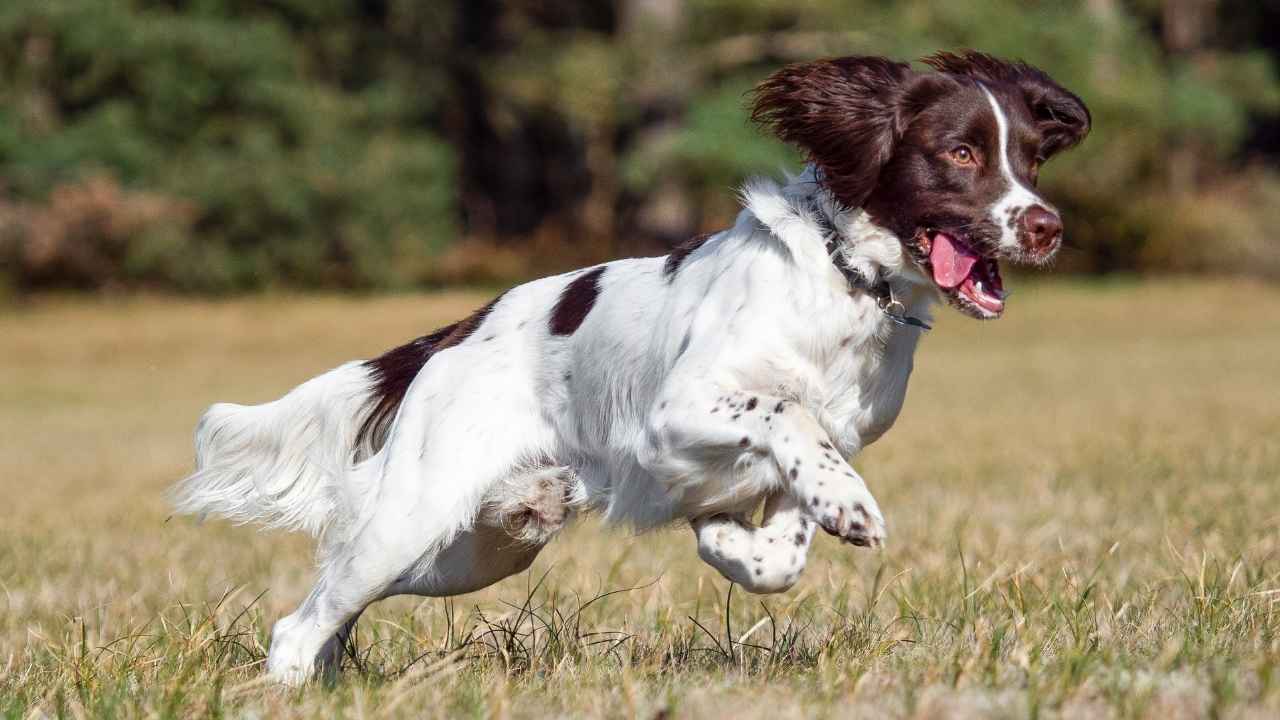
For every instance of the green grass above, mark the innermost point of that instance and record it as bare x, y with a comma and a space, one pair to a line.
1083, 502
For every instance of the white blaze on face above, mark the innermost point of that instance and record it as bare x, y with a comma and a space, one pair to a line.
1017, 197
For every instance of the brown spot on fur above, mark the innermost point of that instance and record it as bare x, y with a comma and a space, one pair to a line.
679, 253
393, 371
575, 302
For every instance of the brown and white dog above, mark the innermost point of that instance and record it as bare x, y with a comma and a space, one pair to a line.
745, 367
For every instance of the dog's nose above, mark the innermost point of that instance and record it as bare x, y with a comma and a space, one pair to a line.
1042, 229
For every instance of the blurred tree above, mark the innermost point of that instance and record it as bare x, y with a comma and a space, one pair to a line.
297, 135
214, 145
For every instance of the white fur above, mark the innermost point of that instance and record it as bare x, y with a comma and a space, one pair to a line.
1018, 197
750, 374
282, 463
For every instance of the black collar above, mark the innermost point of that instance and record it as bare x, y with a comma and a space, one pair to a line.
880, 290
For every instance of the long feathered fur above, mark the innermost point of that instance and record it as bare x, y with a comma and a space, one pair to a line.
285, 463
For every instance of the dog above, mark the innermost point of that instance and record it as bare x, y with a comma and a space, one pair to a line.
742, 369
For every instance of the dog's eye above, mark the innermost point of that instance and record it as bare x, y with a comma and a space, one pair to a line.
962, 154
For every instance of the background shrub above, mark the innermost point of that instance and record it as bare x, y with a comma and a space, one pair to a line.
225, 145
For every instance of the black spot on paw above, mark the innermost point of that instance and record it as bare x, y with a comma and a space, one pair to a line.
782, 405
794, 473
751, 404
744, 442
800, 538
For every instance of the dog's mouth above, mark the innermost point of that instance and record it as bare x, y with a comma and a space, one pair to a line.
970, 280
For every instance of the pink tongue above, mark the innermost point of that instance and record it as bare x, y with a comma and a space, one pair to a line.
951, 263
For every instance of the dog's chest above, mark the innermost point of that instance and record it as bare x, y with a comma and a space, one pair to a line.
866, 384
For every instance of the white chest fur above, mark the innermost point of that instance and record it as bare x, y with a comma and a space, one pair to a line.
854, 361
759, 308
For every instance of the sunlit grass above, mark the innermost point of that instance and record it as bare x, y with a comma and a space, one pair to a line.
1083, 498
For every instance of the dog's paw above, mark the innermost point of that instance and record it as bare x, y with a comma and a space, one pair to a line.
534, 505
857, 522
839, 502
291, 660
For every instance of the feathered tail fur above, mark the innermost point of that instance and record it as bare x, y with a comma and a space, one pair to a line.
285, 464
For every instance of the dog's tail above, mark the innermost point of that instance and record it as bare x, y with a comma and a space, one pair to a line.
285, 464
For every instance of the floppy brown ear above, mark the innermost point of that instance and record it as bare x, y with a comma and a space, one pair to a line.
1061, 116
843, 113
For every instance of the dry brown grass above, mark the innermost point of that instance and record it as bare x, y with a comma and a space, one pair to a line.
1083, 502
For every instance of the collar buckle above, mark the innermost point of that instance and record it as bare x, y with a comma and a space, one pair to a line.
881, 290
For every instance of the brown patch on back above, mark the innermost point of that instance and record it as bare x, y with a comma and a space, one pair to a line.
680, 252
575, 302
394, 370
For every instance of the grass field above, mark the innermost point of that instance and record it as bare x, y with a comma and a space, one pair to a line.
1083, 503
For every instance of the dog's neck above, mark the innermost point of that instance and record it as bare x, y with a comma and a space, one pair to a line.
807, 218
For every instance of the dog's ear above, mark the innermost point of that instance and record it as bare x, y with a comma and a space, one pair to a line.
1061, 116
845, 114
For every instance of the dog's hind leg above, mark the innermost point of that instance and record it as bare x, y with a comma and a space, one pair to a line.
508, 533
765, 559
329, 661
520, 516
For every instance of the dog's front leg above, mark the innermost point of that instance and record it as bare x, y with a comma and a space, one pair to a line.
765, 559
691, 434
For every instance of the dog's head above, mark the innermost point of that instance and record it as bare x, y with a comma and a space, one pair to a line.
947, 160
